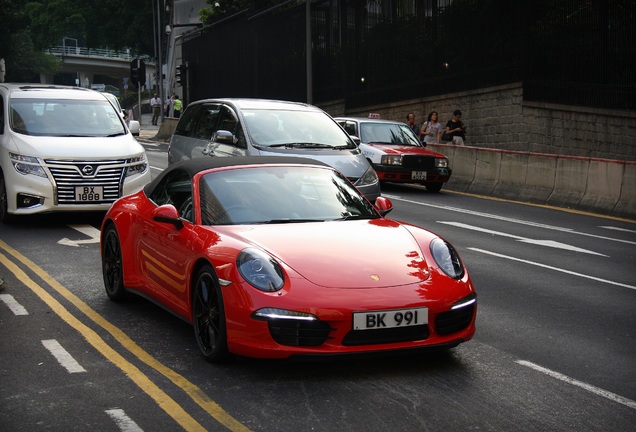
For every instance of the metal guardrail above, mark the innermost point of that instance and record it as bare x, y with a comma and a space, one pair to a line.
93, 52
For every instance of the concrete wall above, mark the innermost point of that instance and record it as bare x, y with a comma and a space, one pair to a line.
597, 185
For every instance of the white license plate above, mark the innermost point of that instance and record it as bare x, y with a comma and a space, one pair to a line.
374, 320
89, 193
418, 175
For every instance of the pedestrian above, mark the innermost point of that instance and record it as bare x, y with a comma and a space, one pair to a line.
176, 107
455, 129
431, 131
168, 105
155, 104
410, 120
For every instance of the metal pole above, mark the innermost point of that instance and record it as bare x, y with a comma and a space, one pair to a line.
310, 96
159, 33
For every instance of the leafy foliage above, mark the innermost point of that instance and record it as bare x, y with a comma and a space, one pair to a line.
30, 27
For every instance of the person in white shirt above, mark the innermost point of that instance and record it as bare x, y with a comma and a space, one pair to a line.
155, 104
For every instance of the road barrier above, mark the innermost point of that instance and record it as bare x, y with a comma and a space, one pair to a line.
598, 185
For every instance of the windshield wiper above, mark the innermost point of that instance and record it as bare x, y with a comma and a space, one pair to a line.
351, 216
302, 145
289, 220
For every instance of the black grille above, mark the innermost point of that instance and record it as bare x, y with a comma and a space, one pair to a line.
69, 174
418, 162
299, 333
454, 320
389, 335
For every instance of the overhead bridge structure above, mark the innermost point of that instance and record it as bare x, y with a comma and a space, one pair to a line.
88, 66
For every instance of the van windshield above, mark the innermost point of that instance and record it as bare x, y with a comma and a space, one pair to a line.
307, 129
64, 118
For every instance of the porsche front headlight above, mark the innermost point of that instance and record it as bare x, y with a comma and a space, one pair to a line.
260, 270
447, 258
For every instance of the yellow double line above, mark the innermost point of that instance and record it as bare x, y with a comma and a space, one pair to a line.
169, 405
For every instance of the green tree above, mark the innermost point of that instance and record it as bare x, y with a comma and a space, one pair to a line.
30, 27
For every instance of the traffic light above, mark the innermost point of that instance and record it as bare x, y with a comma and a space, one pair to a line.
138, 72
180, 74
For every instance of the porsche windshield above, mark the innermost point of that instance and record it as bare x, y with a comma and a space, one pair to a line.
280, 194
387, 133
295, 129
65, 118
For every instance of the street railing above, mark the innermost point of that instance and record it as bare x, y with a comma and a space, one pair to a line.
93, 52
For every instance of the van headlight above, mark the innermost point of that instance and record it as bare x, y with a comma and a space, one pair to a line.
137, 165
27, 165
370, 177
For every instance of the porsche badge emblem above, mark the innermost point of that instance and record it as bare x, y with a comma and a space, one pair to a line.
374, 277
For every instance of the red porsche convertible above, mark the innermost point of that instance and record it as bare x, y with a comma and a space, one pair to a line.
279, 257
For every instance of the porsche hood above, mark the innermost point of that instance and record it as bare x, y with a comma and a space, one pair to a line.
349, 254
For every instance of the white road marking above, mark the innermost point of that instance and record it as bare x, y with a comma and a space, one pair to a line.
15, 307
88, 230
619, 229
506, 219
547, 243
597, 391
553, 268
123, 422
62, 356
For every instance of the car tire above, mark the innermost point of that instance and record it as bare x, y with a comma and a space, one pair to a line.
5, 217
208, 316
434, 187
112, 265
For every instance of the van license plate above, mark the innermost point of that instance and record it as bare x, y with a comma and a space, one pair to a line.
89, 193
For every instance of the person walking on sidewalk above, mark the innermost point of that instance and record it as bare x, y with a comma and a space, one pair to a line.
155, 104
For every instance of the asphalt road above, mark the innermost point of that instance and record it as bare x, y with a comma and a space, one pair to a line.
554, 350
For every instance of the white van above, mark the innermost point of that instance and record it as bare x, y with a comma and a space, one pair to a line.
64, 149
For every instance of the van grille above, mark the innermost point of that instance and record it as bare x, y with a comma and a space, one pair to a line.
69, 174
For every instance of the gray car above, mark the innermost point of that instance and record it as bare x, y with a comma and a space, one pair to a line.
256, 127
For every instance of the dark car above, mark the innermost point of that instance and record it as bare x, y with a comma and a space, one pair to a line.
396, 154
256, 127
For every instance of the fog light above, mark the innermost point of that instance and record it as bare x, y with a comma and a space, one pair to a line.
27, 201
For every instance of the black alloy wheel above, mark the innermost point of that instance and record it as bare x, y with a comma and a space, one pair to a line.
208, 316
112, 267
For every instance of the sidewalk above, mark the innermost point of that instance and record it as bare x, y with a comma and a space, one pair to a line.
148, 130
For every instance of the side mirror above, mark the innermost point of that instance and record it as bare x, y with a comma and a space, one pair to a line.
134, 127
383, 205
167, 213
355, 139
223, 137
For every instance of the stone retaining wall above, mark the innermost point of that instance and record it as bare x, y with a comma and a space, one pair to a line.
498, 117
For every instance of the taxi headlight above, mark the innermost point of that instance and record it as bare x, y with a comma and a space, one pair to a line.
441, 162
391, 160
27, 165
